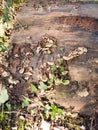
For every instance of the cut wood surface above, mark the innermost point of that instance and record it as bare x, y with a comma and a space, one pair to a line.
73, 25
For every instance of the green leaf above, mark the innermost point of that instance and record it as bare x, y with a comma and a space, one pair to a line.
59, 111
60, 60
54, 67
61, 68
33, 87
53, 107
42, 86
55, 111
3, 95
3, 47
50, 81
25, 102
8, 105
62, 49
8, 3
6, 15
51, 78
66, 82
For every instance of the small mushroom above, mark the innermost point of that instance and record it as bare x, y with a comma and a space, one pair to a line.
83, 93
5, 74
12, 81
21, 71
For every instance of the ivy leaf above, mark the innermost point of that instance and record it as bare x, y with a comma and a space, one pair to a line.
42, 86
3, 95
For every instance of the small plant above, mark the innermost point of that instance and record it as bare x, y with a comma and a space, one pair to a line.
33, 87
25, 102
52, 111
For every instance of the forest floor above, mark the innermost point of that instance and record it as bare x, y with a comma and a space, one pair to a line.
51, 68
